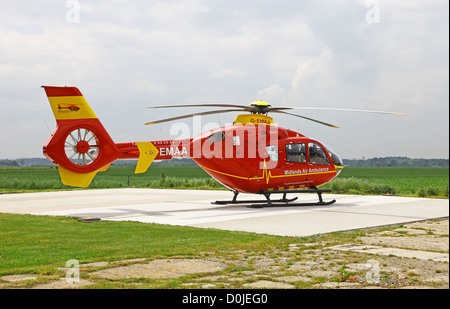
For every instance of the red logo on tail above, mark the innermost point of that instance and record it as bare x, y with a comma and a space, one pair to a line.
72, 107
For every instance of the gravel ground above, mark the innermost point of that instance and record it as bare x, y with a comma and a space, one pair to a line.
409, 256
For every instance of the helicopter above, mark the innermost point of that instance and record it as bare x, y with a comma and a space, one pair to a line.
252, 155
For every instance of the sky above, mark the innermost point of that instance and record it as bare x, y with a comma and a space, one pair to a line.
125, 56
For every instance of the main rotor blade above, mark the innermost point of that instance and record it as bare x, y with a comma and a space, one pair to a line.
191, 115
275, 109
307, 118
248, 108
349, 110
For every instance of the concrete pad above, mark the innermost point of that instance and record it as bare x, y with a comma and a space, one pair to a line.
295, 278
194, 208
418, 254
424, 243
265, 284
15, 278
63, 284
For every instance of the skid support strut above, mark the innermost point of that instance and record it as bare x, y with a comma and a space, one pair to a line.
235, 201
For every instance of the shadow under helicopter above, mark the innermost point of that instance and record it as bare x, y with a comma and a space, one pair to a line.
244, 207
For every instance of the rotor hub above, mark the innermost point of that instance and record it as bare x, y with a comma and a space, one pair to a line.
260, 107
83, 146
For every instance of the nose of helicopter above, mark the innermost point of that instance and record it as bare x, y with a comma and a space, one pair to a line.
337, 161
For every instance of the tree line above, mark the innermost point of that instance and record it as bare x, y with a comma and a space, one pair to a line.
396, 162
371, 162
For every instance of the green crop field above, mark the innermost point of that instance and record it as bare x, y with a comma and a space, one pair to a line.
45, 178
404, 181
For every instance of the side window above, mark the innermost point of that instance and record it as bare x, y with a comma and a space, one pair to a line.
317, 155
296, 153
272, 150
216, 137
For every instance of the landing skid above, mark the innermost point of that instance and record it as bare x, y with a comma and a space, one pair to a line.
283, 202
235, 201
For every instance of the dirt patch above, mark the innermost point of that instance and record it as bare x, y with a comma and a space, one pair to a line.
388, 251
439, 227
165, 268
438, 244
426, 235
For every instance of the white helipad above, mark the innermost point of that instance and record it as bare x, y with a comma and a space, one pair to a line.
194, 208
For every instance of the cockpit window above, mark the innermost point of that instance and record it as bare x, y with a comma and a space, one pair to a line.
296, 153
334, 157
272, 151
317, 155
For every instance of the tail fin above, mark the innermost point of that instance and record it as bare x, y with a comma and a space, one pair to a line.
80, 145
68, 103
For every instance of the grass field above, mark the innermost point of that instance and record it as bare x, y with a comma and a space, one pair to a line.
403, 181
41, 245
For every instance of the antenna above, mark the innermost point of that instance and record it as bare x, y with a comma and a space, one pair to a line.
48, 128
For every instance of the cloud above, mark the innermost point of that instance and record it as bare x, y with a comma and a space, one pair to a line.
126, 55
229, 72
273, 94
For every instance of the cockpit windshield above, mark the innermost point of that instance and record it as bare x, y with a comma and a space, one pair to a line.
334, 157
317, 155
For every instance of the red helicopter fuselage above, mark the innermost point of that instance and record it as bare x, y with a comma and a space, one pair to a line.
254, 158
257, 156
284, 164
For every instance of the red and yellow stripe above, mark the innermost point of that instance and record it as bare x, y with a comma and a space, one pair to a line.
68, 103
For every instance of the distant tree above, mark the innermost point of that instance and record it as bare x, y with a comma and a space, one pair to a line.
396, 161
9, 163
